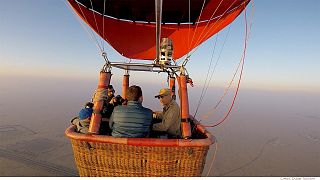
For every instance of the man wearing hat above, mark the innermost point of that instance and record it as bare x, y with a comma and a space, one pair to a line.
170, 115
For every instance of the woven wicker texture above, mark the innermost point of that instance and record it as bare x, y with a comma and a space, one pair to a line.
107, 159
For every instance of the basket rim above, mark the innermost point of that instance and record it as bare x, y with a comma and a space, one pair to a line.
210, 139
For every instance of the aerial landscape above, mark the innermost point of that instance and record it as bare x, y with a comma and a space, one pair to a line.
256, 87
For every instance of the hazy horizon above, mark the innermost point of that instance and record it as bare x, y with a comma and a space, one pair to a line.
267, 134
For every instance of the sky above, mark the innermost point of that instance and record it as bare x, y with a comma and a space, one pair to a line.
44, 39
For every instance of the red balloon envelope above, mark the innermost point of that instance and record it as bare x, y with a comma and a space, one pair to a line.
129, 25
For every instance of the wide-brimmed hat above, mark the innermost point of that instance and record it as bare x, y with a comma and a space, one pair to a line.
163, 92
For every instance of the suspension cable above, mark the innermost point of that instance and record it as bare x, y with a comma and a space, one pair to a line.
210, 112
95, 20
207, 23
195, 30
201, 37
104, 11
90, 32
207, 76
225, 92
207, 86
226, 89
211, 17
189, 43
251, 17
214, 157
240, 76
214, 69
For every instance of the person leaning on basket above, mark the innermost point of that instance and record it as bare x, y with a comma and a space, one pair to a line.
170, 116
83, 120
132, 120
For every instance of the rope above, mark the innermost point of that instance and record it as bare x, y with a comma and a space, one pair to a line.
206, 80
206, 116
240, 77
195, 30
213, 158
102, 36
201, 37
251, 18
78, 19
225, 92
215, 66
90, 32
211, 18
230, 83
189, 43
95, 20
214, 12
104, 11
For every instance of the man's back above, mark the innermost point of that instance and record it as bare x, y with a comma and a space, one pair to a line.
132, 120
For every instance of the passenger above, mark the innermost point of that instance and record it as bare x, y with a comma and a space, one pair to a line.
170, 116
109, 103
132, 120
109, 100
83, 120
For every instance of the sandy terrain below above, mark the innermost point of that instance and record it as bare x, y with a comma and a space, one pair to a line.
267, 133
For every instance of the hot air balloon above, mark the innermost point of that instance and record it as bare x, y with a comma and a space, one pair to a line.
160, 31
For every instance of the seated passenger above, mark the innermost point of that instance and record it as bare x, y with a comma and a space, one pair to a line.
109, 103
170, 116
132, 120
83, 120
108, 98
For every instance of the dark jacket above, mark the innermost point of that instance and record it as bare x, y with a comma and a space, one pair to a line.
107, 108
132, 120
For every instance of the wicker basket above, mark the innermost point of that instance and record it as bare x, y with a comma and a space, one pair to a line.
100, 155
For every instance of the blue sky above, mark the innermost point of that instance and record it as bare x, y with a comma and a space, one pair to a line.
44, 38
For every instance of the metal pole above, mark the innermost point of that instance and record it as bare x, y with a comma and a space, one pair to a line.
158, 11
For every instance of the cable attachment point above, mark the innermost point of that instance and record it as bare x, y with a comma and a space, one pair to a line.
105, 57
107, 66
189, 80
184, 63
184, 72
